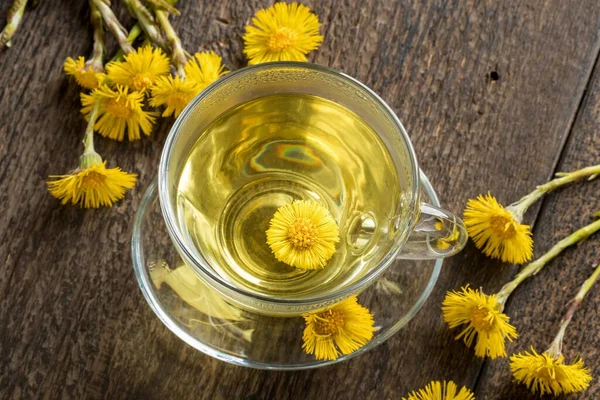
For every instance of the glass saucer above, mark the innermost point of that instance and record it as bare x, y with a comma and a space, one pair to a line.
199, 316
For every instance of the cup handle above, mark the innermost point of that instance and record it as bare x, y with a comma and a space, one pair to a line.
437, 234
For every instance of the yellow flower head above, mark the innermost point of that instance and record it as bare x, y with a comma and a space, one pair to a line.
282, 32
494, 229
85, 77
441, 391
174, 93
119, 110
303, 234
204, 68
546, 373
481, 315
140, 69
343, 328
92, 187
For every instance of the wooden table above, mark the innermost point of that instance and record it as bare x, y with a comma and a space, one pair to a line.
496, 95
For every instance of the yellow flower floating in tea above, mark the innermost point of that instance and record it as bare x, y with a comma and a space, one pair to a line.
93, 186
120, 109
496, 230
483, 321
303, 234
441, 391
547, 373
85, 76
282, 32
341, 329
140, 69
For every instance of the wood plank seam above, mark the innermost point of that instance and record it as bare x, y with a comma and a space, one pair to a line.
540, 207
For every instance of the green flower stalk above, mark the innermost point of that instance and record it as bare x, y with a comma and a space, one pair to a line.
96, 61
146, 21
89, 156
113, 25
134, 33
178, 54
519, 208
13, 20
536, 266
557, 343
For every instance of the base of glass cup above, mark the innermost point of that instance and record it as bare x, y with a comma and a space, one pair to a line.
204, 320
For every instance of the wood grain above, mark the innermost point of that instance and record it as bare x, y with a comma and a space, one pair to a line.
537, 307
488, 92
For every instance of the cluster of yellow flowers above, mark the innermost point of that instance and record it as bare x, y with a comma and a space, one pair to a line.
124, 91
499, 232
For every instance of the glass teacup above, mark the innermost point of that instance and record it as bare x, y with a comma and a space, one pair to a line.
411, 229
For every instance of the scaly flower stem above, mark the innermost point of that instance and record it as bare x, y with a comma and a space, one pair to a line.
178, 56
519, 208
96, 61
146, 20
90, 157
556, 346
13, 19
134, 33
166, 5
113, 25
535, 266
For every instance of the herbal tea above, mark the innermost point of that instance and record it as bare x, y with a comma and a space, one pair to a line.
265, 154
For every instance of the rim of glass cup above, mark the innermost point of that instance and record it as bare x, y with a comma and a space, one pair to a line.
147, 287
200, 265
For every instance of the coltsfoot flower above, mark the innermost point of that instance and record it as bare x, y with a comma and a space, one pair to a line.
282, 32
140, 69
547, 373
85, 76
482, 320
341, 329
497, 231
174, 93
441, 391
204, 68
303, 234
93, 186
119, 109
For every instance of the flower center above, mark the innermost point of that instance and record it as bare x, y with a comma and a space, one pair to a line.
303, 233
93, 179
503, 226
142, 81
329, 322
283, 38
480, 318
550, 373
88, 79
119, 108
179, 100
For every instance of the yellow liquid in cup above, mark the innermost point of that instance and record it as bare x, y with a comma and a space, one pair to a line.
269, 152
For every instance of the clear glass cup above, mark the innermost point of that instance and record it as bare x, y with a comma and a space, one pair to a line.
419, 230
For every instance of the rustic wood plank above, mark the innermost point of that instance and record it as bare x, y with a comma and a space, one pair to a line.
74, 323
537, 307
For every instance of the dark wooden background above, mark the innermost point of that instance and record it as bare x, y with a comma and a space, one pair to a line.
496, 95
